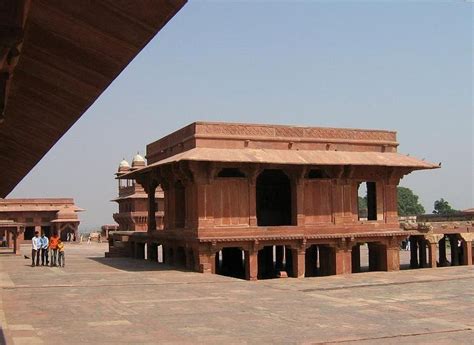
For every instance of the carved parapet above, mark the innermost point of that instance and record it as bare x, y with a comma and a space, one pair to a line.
409, 226
425, 227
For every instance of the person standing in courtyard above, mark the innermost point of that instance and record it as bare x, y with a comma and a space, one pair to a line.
61, 258
35, 249
44, 250
53, 245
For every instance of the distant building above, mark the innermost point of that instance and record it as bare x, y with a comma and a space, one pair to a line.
43, 215
108, 229
133, 200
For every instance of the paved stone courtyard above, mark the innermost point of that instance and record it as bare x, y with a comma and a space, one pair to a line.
94, 300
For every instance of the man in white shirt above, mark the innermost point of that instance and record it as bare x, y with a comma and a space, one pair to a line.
35, 249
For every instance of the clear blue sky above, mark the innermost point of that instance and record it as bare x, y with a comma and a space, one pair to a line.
397, 65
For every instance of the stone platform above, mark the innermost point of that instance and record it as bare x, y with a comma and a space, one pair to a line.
95, 300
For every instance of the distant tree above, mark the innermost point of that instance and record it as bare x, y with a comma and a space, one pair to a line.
362, 203
363, 206
408, 204
443, 207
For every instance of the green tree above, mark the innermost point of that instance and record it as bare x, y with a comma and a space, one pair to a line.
443, 207
408, 204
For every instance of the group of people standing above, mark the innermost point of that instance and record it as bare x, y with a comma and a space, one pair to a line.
42, 246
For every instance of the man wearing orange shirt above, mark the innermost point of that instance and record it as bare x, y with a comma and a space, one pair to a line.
53, 246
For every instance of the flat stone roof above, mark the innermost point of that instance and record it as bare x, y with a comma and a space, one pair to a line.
258, 136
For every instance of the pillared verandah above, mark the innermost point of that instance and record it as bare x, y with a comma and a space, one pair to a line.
257, 201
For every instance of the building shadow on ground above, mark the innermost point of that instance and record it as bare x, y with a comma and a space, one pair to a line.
135, 265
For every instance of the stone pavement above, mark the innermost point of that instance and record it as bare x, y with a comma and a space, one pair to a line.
124, 301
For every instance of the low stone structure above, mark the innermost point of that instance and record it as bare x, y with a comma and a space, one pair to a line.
45, 215
260, 201
431, 235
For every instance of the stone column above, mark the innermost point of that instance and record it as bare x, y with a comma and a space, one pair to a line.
298, 256
343, 260
16, 243
413, 252
356, 258
391, 260
251, 265
432, 254
468, 238
252, 185
207, 262
443, 261
151, 207
467, 259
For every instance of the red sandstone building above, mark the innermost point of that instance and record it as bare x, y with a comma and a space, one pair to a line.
259, 201
133, 200
21, 218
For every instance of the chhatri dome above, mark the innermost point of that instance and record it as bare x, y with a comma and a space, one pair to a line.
124, 166
138, 161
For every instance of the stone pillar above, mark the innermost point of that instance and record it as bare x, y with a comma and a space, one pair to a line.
453, 241
151, 207
252, 179
413, 252
467, 252
251, 265
207, 262
343, 260
16, 243
432, 255
298, 196
443, 261
391, 261
279, 254
356, 258
298, 256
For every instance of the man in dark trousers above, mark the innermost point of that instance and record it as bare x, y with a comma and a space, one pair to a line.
44, 250
35, 249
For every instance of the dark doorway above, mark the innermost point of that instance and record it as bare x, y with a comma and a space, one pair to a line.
46, 230
231, 262
29, 232
367, 201
273, 198
179, 205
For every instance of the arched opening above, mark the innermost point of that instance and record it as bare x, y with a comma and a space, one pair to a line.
180, 257
273, 198
231, 262
320, 260
368, 257
179, 205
